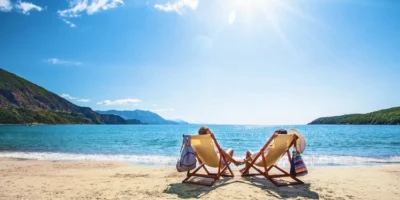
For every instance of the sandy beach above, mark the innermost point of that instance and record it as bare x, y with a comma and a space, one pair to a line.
33, 179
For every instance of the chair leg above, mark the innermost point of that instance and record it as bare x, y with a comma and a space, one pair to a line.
213, 176
272, 176
284, 174
227, 167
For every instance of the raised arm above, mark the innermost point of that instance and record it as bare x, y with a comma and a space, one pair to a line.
224, 154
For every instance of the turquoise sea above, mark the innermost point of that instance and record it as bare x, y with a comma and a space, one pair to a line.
160, 144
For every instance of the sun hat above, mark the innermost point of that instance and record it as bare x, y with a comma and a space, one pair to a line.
300, 142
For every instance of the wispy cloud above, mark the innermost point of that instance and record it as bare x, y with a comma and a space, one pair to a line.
178, 6
72, 25
5, 6
67, 96
79, 7
83, 100
26, 7
163, 110
20, 6
56, 61
119, 102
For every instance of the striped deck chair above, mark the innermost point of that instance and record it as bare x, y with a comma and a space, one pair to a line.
206, 155
281, 144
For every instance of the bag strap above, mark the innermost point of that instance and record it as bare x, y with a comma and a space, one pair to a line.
183, 142
188, 143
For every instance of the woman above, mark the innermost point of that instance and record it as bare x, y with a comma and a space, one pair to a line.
204, 130
252, 155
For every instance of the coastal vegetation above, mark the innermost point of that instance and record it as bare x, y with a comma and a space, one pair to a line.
24, 102
387, 116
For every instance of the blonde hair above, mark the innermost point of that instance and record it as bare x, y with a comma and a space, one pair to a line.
203, 130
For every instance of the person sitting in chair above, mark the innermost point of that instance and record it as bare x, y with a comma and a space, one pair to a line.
204, 130
252, 155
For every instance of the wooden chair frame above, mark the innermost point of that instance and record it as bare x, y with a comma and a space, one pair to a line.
265, 171
215, 176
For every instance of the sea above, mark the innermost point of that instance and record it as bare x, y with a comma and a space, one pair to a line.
326, 145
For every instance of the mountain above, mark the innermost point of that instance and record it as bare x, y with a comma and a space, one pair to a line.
133, 121
180, 121
143, 116
24, 102
387, 116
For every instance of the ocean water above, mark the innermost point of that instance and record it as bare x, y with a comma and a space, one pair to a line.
160, 144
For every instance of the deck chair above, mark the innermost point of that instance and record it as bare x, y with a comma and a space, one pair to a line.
280, 146
206, 155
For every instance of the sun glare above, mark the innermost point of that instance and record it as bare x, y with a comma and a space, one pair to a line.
254, 6
272, 13
248, 11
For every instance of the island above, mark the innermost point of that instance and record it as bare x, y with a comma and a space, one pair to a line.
390, 116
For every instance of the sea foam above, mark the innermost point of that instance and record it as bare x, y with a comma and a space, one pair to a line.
310, 160
137, 159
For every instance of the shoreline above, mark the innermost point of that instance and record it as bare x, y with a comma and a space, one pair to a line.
50, 179
170, 160
144, 164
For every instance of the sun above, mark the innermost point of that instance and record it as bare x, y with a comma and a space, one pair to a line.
254, 6
248, 14
250, 10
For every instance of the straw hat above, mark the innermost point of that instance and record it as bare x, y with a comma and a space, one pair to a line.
301, 142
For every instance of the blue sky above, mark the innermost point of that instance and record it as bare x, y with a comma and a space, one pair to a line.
225, 62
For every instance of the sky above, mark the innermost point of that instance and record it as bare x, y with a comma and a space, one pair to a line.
264, 62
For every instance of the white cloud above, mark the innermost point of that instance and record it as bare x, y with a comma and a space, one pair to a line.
5, 6
67, 96
119, 102
83, 100
56, 61
232, 17
25, 7
72, 25
79, 7
178, 6
162, 110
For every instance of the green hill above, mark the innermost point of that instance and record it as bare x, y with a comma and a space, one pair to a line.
387, 116
24, 102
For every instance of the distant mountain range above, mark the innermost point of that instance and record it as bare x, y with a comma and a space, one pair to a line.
144, 116
23, 102
387, 116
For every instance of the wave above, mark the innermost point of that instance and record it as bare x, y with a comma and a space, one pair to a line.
327, 160
137, 159
310, 160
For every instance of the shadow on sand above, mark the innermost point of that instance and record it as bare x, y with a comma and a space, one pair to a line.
197, 191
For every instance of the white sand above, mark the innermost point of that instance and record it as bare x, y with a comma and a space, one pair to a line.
31, 179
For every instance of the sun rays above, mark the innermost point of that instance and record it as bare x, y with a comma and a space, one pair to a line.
272, 13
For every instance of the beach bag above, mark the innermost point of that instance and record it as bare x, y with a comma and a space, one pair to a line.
187, 160
297, 167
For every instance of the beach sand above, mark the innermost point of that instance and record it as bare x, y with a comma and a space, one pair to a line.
33, 179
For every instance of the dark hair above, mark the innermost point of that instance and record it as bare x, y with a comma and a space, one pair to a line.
281, 131
203, 130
